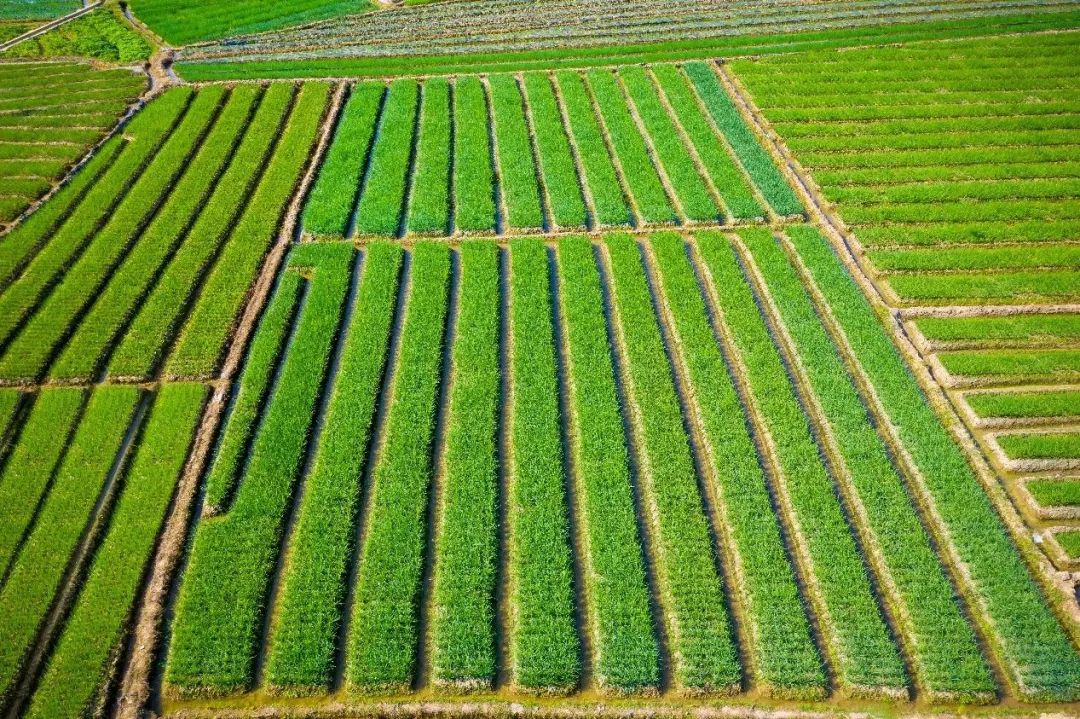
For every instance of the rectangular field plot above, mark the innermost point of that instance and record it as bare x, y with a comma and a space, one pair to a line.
686, 465
140, 266
543, 152
51, 113
86, 487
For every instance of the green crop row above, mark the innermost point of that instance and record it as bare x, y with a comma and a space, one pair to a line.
199, 346
687, 183
629, 146
383, 633
884, 177
474, 197
1056, 445
304, 642
976, 258
626, 655
935, 158
933, 141
466, 546
703, 654
333, 196
28, 353
596, 165
781, 651
382, 199
930, 192
517, 172
252, 392
62, 234
928, 125
755, 160
1018, 329
1049, 365
989, 287
1048, 403
864, 657
221, 608
101, 34
81, 661
1041, 659
556, 158
992, 210
1055, 492
978, 232
1070, 542
29, 468
114, 305
429, 201
162, 313
713, 151
943, 647
37, 573
543, 646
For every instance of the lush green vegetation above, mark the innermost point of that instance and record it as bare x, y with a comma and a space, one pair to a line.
102, 34
1055, 493
1061, 403
1070, 542
1061, 445
37, 9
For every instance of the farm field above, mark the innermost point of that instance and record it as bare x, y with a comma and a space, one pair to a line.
540, 359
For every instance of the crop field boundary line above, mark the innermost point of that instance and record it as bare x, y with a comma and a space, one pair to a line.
1046, 514
135, 690
1059, 590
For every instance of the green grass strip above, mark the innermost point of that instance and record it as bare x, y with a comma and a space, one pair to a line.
638, 170
755, 160
543, 645
782, 652
1051, 365
265, 355
864, 658
1040, 657
466, 549
556, 158
989, 287
1063, 445
29, 469
199, 348
1055, 493
114, 305
976, 258
597, 167
429, 203
330, 205
474, 180
1020, 329
304, 639
28, 354
703, 654
81, 662
159, 318
726, 176
220, 610
21, 243
383, 634
150, 128
970, 233
38, 572
383, 197
626, 652
9, 403
1064, 403
686, 182
517, 172
1070, 542
943, 647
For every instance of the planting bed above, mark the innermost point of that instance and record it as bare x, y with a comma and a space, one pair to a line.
50, 114
543, 384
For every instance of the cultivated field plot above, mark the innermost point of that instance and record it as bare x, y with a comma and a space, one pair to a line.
506, 154
956, 172
102, 34
37, 9
140, 266
50, 115
448, 37
693, 465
